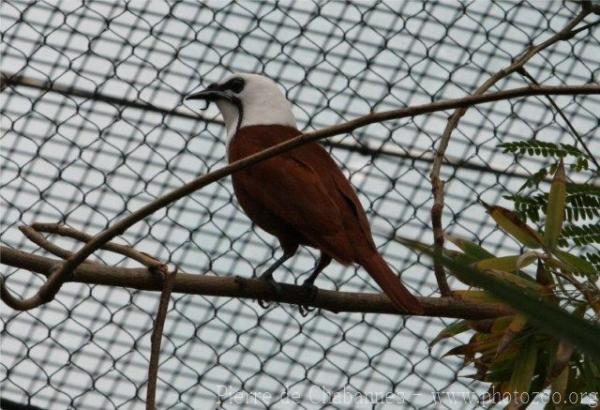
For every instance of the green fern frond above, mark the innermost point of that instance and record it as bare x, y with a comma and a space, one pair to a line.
581, 164
579, 207
543, 149
589, 189
535, 179
594, 259
582, 234
582, 203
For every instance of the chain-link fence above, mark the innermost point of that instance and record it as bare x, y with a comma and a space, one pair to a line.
94, 126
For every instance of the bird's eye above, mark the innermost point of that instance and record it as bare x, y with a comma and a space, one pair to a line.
236, 85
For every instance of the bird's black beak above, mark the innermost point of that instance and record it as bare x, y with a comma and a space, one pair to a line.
207, 95
212, 93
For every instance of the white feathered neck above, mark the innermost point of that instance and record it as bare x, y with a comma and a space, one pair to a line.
262, 103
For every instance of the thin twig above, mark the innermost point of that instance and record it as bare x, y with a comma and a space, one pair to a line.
156, 338
523, 71
437, 208
585, 27
241, 288
437, 185
60, 229
49, 289
36, 237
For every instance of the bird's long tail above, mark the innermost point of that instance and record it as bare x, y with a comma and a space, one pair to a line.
377, 267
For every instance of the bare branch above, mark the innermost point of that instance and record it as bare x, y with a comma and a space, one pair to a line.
33, 233
36, 237
49, 289
148, 261
156, 338
242, 288
438, 207
437, 185
585, 27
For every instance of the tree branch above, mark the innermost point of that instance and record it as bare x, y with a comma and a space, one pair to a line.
246, 288
156, 338
49, 289
437, 185
60, 229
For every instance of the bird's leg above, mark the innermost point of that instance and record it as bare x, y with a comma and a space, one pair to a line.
324, 260
308, 284
268, 274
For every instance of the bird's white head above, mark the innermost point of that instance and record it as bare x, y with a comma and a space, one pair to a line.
248, 99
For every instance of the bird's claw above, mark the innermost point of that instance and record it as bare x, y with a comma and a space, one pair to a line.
305, 310
311, 294
263, 304
277, 290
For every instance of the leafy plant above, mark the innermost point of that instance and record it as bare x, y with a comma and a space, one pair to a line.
536, 148
551, 342
582, 206
582, 203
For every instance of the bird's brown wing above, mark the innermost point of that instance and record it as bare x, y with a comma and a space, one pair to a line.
307, 189
355, 218
357, 227
297, 194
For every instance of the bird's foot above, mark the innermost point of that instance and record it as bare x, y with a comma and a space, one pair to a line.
267, 276
311, 294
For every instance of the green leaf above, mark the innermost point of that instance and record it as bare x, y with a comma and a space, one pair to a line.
516, 326
524, 367
474, 295
451, 330
511, 224
523, 283
555, 212
550, 318
507, 263
501, 323
574, 263
463, 259
459, 255
469, 248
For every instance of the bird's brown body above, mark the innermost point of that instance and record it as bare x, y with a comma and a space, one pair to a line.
303, 198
